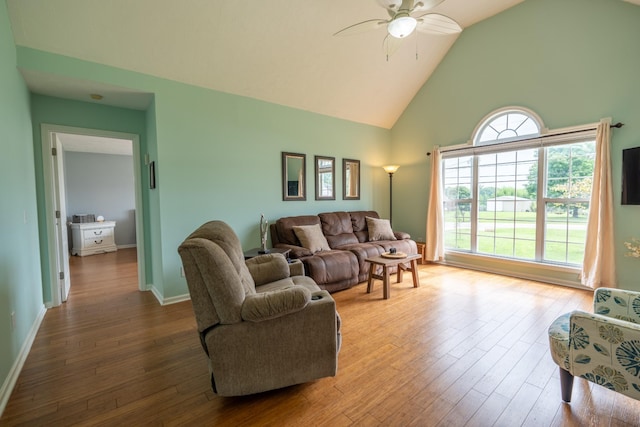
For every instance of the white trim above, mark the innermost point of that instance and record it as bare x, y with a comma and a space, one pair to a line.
547, 137
504, 270
176, 299
129, 246
46, 130
170, 300
500, 111
14, 372
509, 262
556, 137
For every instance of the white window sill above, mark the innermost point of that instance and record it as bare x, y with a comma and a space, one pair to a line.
530, 270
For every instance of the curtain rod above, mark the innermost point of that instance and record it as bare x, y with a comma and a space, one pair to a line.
617, 125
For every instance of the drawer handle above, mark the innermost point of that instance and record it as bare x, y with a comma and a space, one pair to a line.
97, 233
96, 242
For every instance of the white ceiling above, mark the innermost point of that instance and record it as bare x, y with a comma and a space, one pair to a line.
278, 51
80, 90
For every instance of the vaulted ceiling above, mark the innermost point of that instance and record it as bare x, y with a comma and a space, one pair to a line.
277, 51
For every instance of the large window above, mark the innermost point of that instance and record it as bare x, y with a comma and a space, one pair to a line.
492, 202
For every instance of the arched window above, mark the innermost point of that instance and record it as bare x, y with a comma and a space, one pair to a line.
493, 205
507, 124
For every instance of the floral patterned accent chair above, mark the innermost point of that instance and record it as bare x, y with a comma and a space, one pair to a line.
603, 347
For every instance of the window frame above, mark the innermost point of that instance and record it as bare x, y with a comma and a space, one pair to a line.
546, 138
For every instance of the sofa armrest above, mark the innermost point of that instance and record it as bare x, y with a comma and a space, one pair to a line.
295, 251
401, 235
268, 268
272, 304
617, 303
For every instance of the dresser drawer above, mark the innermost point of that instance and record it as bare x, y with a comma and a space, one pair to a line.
93, 238
98, 240
97, 233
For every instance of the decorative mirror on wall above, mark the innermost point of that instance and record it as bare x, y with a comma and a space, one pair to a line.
325, 178
351, 179
294, 176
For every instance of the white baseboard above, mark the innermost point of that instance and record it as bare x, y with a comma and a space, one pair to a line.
519, 275
14, 372
176, 299
170, 300
132, 245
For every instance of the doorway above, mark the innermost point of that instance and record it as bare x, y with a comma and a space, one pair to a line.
56, 142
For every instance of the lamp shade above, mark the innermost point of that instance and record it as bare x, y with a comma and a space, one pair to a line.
402, 26
390, 168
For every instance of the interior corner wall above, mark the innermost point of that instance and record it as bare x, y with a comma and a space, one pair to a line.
20, 280
64, 112
572, 62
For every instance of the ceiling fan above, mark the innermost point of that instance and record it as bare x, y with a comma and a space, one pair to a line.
404, 19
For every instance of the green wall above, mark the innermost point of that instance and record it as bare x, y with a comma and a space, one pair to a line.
64, 112
218, 156
571, 61
20, 282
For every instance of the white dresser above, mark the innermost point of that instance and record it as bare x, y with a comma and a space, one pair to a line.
93, 238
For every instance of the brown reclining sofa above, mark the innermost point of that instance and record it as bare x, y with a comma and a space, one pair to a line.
342, 264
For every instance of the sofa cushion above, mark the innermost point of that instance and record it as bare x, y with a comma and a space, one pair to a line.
362, 251
359, 224
332, 267
337, 228
311, 237
379, 229
284, 228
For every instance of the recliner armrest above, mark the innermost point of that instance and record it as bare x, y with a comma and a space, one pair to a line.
268, 268
272, 304
295, 251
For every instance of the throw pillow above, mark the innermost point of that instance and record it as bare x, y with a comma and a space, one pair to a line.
379, 229
311, 237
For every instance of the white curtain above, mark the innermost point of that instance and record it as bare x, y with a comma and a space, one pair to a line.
598, 267
434, 250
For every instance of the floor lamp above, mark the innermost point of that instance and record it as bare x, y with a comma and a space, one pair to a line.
391, 169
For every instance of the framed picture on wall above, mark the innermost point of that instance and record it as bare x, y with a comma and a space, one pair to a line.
350, 179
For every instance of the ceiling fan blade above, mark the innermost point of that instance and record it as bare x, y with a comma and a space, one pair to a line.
434, 23
391, 45
424, 5
361, 27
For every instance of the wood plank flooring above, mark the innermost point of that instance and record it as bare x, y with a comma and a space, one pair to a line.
463, 349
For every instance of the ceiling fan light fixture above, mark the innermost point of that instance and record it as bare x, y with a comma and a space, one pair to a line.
402, 26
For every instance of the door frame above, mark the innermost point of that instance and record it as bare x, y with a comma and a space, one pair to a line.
48, 132
61, 232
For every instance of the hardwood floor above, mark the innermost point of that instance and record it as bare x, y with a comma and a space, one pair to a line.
465, 348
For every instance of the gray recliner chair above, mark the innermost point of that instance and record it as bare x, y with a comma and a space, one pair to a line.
261, 328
